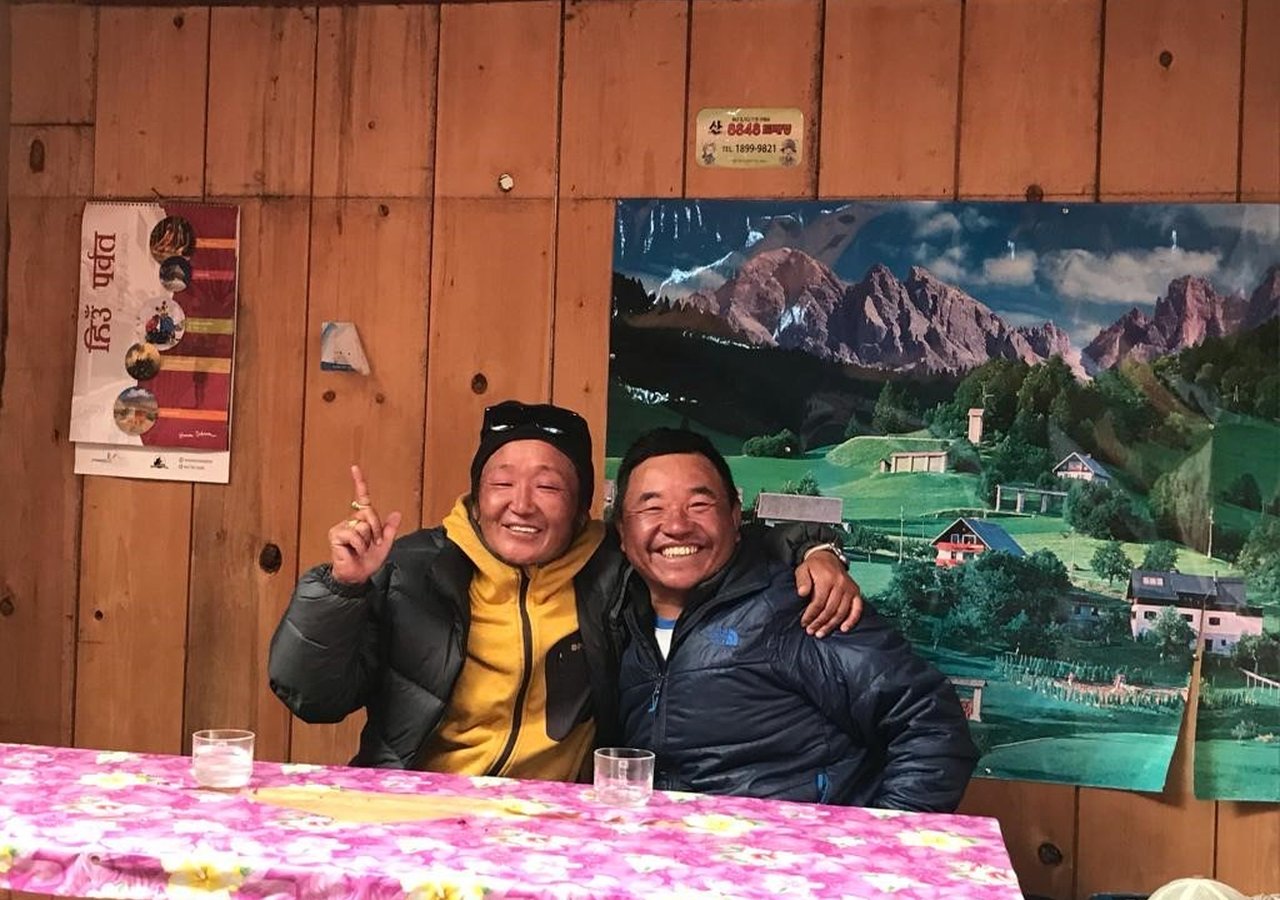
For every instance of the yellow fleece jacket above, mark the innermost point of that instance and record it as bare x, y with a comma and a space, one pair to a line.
524, 626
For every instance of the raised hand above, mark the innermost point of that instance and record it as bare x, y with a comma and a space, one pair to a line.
359, 545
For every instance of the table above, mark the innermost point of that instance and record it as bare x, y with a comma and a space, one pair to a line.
114, 824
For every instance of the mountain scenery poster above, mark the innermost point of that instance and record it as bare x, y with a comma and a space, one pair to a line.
1049, 435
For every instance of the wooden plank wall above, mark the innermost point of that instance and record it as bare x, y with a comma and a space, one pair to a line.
364, 145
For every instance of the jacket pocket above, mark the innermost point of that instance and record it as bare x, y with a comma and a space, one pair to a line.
568, 686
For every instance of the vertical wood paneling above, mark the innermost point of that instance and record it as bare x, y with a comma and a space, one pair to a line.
1260, 131
235, 601
762, 53
50, 161
53, 63
1248, 842
584, 275
490, 328
1173, 829
889, 125
134, 557
135, 535
261, 73
498, 107
1171, 131
368, 266
375, 89
1031, 815
622, 135
37, 652
1030, 104
151, 101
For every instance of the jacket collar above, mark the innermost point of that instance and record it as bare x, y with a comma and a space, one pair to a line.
546, 579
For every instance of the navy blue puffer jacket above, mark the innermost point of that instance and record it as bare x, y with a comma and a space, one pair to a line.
747, 703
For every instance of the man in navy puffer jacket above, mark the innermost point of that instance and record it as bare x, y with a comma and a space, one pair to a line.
730, 693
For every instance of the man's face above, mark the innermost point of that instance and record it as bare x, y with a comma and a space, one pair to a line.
527, 503
679, 526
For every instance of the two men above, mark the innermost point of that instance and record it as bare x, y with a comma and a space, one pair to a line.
480, 646
730, 694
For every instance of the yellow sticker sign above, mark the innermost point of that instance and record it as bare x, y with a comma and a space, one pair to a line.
746, 138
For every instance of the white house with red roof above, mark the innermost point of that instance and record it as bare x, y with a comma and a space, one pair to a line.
1081, 467
964, 539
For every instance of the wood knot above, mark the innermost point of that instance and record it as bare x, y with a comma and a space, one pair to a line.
1049, 854
270, 558
35, 156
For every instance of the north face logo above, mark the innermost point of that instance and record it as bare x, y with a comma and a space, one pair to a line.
723, 635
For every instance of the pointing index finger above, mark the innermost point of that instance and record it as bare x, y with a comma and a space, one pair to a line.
362, 489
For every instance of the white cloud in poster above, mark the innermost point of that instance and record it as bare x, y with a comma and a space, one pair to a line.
1016, 271
943, 223
950, 266
974, 220
1127, 277
1259, 221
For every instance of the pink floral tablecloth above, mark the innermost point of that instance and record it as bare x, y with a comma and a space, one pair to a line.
113, 824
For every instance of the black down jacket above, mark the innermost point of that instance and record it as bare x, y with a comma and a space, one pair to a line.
396, 645
749, 704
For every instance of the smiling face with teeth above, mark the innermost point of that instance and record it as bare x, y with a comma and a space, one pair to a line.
527, 503
678, 527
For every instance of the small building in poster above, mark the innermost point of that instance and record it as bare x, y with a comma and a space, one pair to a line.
964, 539
1216, 608
915, 461
773, 508
1081, 467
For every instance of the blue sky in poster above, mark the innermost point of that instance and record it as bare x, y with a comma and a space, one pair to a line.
1081, 266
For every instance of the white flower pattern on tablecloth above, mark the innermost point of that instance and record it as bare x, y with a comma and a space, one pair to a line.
203, 875
890, 883
936, 840
716, 823
78, 823
982, 873
433, 885
112, 780
107, 757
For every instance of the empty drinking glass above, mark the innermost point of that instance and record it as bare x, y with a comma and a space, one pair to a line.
623, 776
222, 757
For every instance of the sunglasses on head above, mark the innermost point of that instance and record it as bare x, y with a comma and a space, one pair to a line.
542, 416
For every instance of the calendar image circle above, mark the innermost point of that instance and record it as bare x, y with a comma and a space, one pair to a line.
175, 274
172, 236
142, 361
136, 410
166, 324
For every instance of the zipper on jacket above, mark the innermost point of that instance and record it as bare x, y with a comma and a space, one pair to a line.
526, 637
824, 785
657, 692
